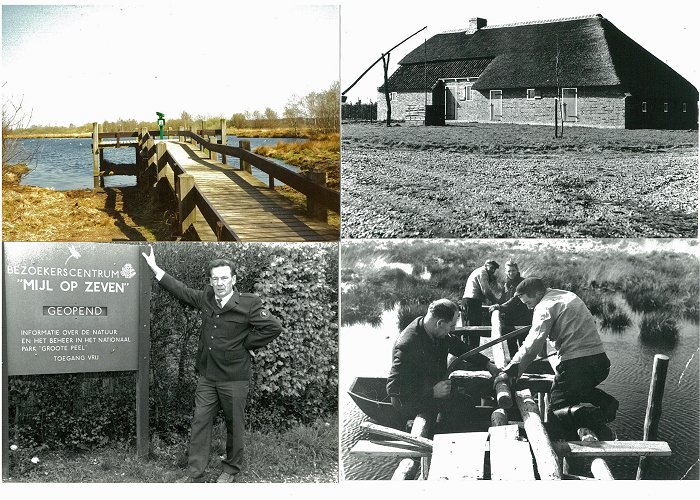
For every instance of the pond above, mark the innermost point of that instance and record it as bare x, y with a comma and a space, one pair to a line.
366, 351
65, 164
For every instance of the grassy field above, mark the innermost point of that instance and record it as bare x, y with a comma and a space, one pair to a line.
484, 180
304, 453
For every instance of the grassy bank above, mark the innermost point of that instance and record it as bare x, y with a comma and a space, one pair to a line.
514, 181
31, 213
321, 154
304, 453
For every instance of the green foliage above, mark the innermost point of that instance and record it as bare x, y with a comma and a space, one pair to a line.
294, 377
410, 311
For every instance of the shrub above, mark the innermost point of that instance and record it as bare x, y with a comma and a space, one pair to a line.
648, 296
410, 311
658, 328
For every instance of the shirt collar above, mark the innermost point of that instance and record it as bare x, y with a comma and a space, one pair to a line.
225, 299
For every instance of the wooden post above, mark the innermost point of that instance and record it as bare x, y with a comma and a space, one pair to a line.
245, 144
547, 460
224, 139
95, 156
5, 388
186, 208
501, 357
201, 148
499, 417
212, 154
161, 168
179, 133
408, 467
314, 209
142, 376
653, 415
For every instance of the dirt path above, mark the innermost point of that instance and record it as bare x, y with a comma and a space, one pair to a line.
405, 190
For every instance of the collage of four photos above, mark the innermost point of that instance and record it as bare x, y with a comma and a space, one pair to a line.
349, 243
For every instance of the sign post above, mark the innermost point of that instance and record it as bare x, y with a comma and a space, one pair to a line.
161, 123
76, 308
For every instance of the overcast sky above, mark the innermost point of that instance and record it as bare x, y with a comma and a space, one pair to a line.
78, 64
667, 29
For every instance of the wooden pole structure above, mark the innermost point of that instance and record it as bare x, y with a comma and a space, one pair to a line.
501, 357
547, 460
224, 139
187, 212
408, 467
653, 415
245, 144
160, 161
5, 386
314, 209
142, 375
95, 156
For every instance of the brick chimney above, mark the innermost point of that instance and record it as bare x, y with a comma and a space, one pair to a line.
475, 24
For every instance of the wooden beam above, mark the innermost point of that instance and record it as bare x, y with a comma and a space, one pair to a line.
458, 456
599, 468
501, 357
395, 449
510, 458
545, 457
408, 467
381, 430
612, 448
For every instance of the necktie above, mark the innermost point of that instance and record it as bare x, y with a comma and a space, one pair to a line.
218, 301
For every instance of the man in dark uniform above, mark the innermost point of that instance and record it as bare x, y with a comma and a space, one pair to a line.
418, 378
233, 324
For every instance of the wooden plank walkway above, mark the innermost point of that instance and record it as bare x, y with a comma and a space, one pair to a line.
458, 456
249, 207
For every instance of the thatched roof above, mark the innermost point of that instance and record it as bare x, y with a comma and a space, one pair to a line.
577, 52
414, 77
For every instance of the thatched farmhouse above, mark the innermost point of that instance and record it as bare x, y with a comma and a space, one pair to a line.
597, 75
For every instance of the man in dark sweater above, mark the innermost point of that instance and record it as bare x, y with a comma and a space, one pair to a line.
233, 325
418, 378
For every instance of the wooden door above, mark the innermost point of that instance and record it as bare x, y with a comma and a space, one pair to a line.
496, 103
569, 104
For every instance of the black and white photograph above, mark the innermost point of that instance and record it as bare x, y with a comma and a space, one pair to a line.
519, 359
170, 362
533, 119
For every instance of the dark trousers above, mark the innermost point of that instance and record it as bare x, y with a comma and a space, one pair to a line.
576, 380
209, 397
472, 315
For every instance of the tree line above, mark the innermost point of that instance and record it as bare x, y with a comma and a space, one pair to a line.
316, 110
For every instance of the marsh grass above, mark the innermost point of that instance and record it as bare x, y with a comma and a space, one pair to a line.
658, 328
648, 282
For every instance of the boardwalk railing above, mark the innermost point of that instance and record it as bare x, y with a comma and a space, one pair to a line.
154, 163
158, 164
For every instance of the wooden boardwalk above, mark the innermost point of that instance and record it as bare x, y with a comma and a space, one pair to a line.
249, 207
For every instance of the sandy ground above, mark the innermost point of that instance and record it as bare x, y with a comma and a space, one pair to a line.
445, 182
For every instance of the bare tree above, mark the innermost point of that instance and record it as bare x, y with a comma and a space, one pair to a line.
293, 112
16, 158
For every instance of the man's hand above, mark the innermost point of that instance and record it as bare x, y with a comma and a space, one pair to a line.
442, 389
495, 307
151, 260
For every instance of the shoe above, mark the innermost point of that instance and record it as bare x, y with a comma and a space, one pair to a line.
189, 479
605, 433
225, 477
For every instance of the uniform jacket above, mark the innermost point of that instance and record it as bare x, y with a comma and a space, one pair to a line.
515, 312
420, 362
227, 335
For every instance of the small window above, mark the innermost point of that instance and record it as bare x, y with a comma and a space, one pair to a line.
464, 92
393, 96
665, 107
531, 94
685, 107
644, 106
